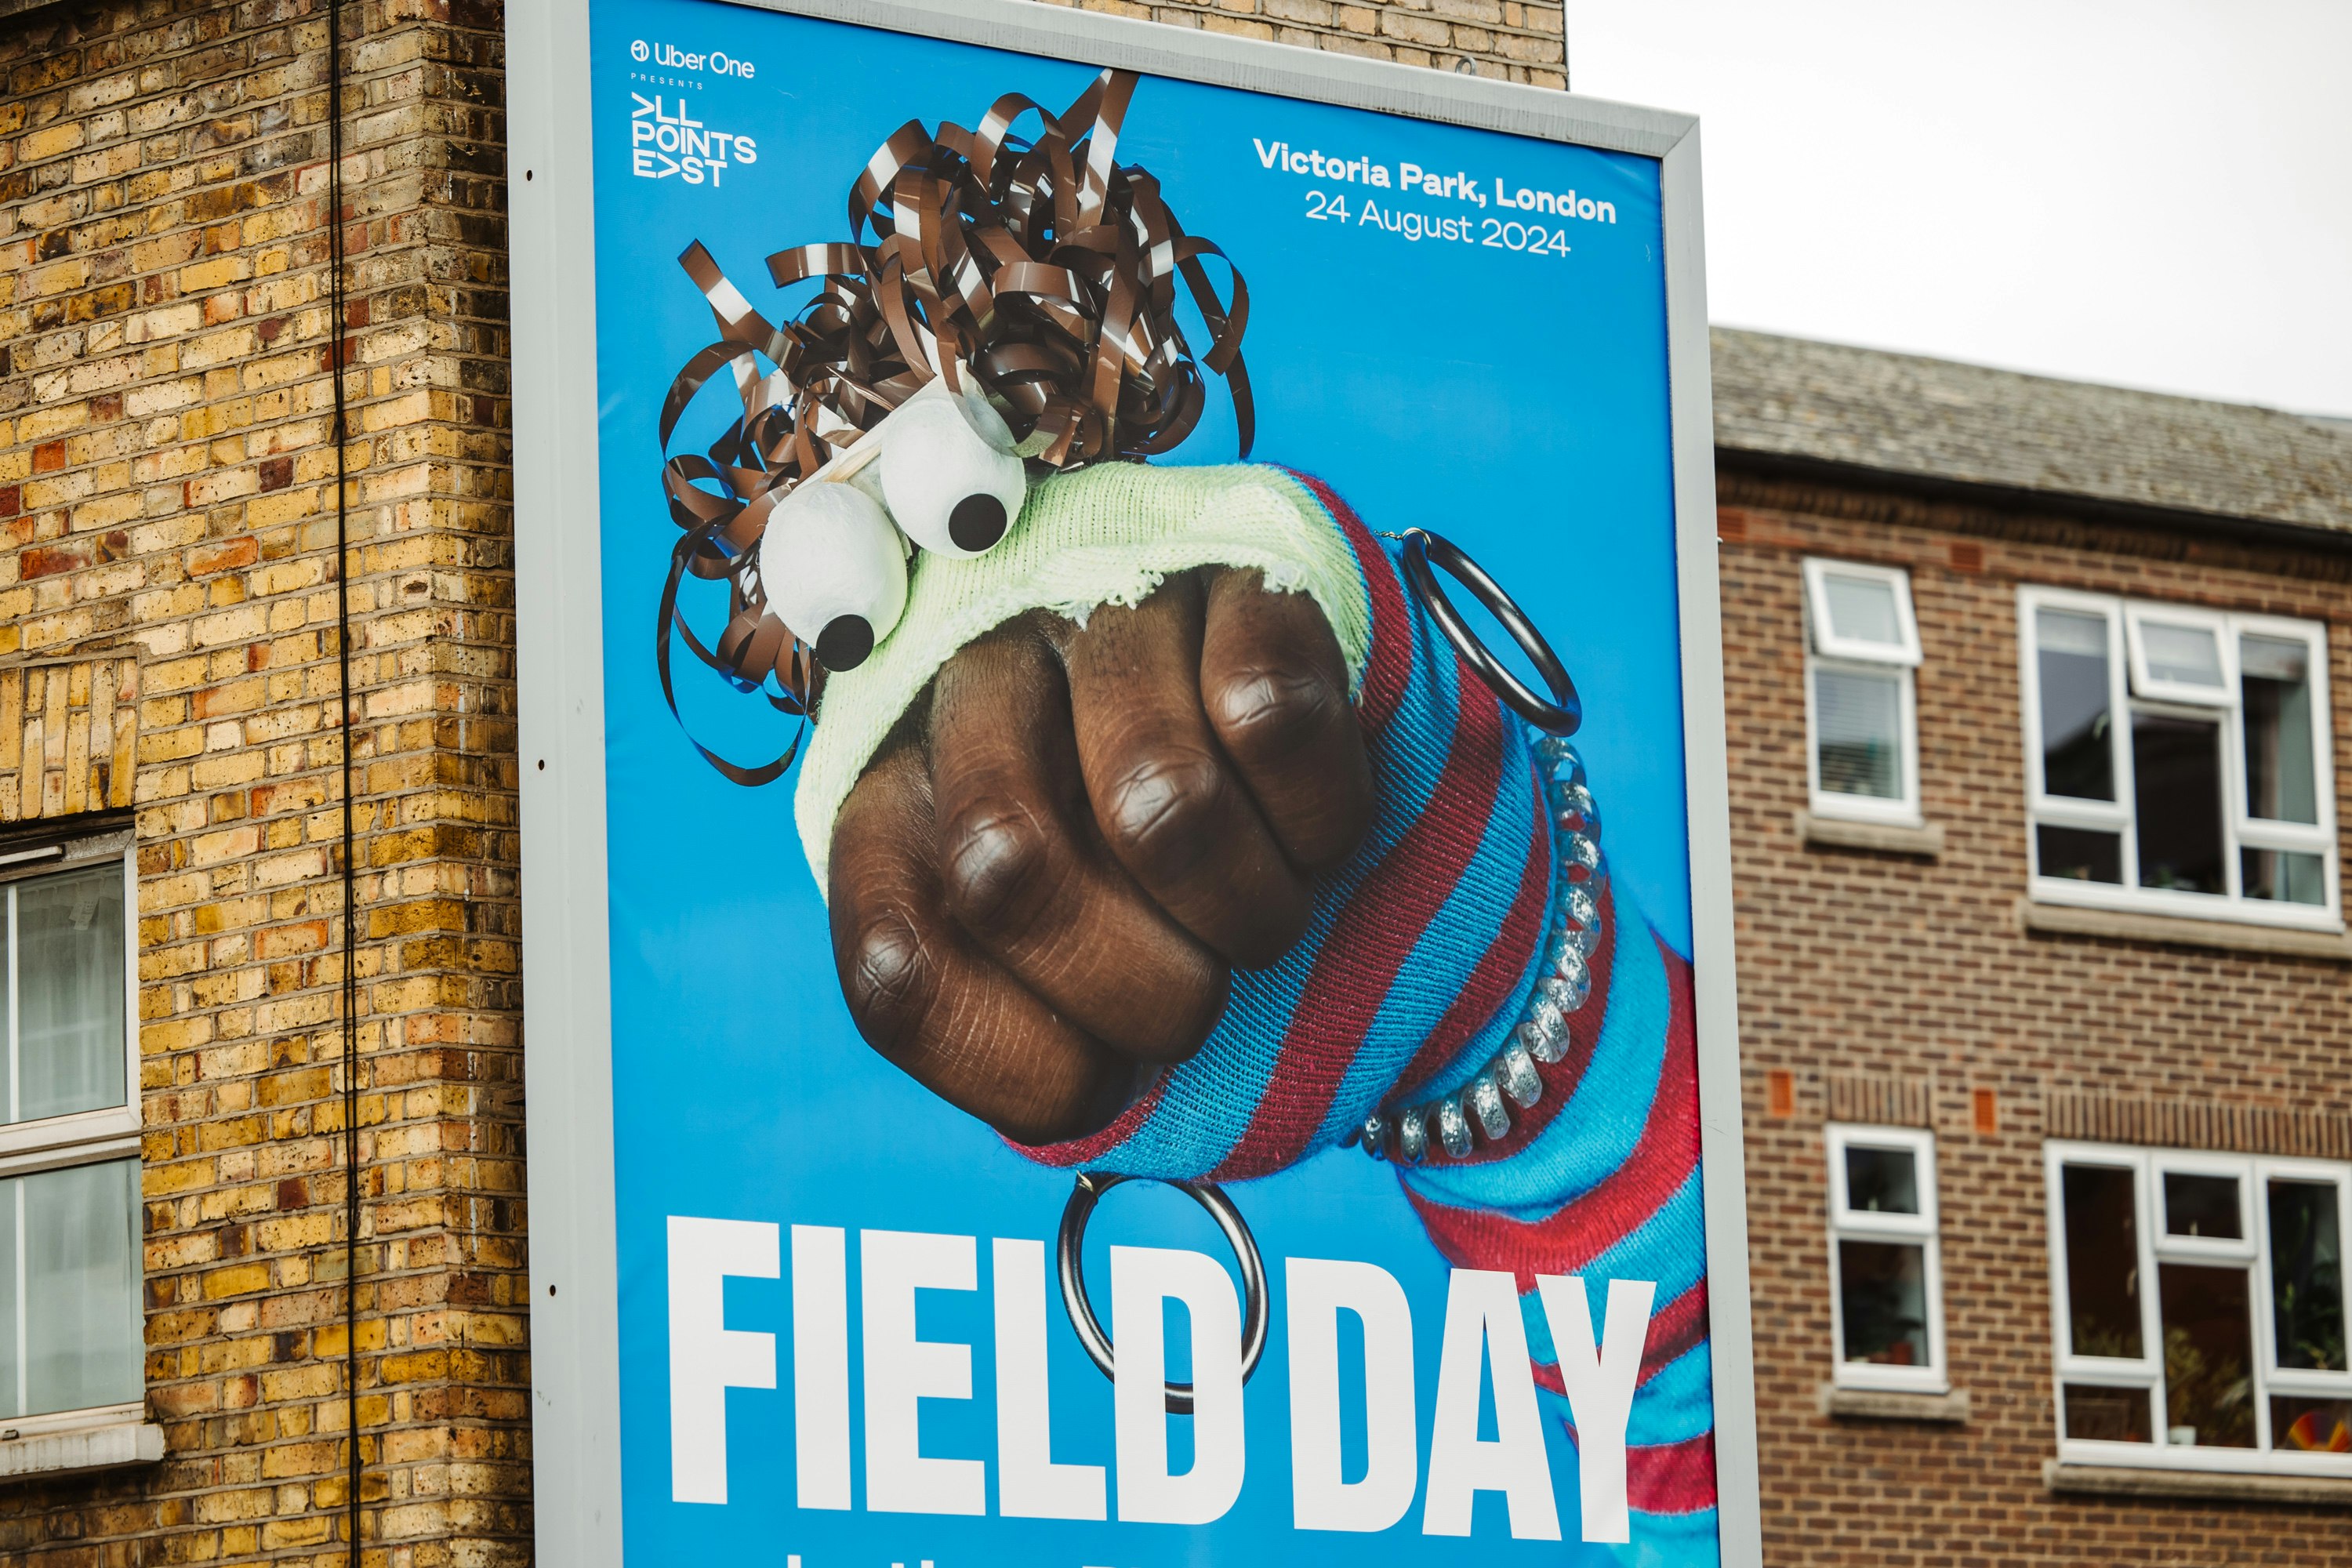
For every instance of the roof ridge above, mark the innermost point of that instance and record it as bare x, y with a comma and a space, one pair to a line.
2014, 431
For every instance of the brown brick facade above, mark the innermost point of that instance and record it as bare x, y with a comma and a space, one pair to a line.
167, 641
1510, 40
168, 644
168, 603
1897, 989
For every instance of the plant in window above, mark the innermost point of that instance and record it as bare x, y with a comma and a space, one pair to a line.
2235, 1359
2307, 1276
2210, 1398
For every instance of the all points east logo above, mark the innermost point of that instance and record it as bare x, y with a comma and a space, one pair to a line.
664, 137
663, 142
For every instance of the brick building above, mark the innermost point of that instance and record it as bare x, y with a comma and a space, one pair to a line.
170, 593
2044, 986
174, 745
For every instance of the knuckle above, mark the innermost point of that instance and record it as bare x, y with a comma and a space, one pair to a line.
885, 977
1266, 713
1159, 811
998, 866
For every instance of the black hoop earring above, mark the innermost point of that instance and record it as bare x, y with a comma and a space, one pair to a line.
1559, 716
1070, 1261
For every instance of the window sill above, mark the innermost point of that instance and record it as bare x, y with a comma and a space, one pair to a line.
1894, 1404
1820, 831
78, 1451
2130, 1481
2078, 919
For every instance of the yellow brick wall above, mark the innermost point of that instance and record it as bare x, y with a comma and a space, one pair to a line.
69, 736
1510, 40
168, 643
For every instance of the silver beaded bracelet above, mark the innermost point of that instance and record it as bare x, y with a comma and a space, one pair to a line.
1541, 1034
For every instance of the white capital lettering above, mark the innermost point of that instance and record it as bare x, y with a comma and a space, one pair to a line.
821, 1365
1599, 1385
1483, 1325
902, 1371
1143, 1280
1029, 1484
1319, 1289
706, 1357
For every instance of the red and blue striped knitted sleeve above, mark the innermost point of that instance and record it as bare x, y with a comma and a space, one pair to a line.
1422, 959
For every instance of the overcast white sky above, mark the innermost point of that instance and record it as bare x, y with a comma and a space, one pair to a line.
2156, 194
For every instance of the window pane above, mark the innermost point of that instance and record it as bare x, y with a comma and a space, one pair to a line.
69, 983
2080, 854
2311, 1426
2185, 656
2202, 1205
1881, 1181
2077, 731
2209, 1356
2279, 779
72, 1237
1860, 720
1882, 1302
2283, 875
2306, 1276
1862, 609
2101, 1261
2176, 785
2106, 1414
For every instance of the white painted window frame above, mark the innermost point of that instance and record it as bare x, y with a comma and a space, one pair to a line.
2138, 614
1826, 642
2241, 829
2148, 1166
88, 1137
1826, 651
1922, 1229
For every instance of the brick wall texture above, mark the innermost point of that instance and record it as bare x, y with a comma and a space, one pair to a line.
1891, 988
168, 581
168, 601
1510, 40
168, 644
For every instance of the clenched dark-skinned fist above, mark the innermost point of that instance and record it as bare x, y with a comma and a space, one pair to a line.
1043, 882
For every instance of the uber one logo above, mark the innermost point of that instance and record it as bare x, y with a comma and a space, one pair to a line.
662, 143
671, 58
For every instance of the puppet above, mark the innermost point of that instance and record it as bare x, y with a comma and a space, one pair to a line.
956, 429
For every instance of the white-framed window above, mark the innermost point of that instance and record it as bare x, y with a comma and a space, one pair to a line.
2177, 760
1887, 1283
1861, 721
2197, 1309
72, 1324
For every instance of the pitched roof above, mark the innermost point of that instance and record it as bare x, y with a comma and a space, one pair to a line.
1962, 425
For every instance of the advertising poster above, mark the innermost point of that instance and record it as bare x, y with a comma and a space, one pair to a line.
1140, 1021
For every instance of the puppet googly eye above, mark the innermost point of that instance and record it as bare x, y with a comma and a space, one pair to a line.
949, 472
834, 571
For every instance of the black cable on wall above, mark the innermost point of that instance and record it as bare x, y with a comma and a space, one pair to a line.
337, 323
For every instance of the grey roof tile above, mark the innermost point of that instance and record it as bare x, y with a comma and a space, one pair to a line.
1962, 424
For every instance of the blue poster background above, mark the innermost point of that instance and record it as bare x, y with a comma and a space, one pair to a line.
1516, 402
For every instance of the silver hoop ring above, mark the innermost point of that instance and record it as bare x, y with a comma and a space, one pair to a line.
1070, 1259
1558, 715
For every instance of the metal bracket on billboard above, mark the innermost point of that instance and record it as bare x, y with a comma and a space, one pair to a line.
1559, 716
1070, 1257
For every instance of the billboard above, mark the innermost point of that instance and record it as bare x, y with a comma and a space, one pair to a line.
1127, 918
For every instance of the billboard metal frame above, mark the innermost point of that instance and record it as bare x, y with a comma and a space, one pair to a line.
574, 1300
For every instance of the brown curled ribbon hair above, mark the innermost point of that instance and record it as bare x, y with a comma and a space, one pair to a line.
1037, 266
